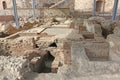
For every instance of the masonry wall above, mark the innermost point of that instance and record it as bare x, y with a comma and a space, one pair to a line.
26, 6
81, 5
87, 5
20, 3
39, 3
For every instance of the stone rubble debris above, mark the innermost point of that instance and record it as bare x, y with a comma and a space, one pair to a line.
13, 68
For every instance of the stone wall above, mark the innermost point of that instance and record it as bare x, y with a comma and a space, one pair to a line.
39, 3
87, 5
27, 5
7, 1
20, 3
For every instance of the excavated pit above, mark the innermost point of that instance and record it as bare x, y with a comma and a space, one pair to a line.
97, 52
42, 64
50, 49
48, 59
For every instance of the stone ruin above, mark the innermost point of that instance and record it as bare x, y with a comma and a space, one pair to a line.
35, 50
64, 49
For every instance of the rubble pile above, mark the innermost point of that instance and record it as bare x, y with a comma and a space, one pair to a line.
13, 68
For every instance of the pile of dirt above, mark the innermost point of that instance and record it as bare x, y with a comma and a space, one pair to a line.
28, 25
11, 30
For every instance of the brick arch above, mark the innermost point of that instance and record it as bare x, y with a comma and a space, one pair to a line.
99, 5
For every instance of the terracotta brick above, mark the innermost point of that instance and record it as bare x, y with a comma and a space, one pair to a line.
7, 18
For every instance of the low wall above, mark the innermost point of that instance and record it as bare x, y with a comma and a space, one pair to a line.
7, 18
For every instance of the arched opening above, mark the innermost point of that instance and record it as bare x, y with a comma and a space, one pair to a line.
99, 6
4, 5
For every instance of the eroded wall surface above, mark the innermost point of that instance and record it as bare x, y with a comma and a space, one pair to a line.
87, 5
78, 5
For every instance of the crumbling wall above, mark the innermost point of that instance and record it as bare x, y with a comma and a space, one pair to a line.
20, 4
9, 4
87, 5
39, 3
